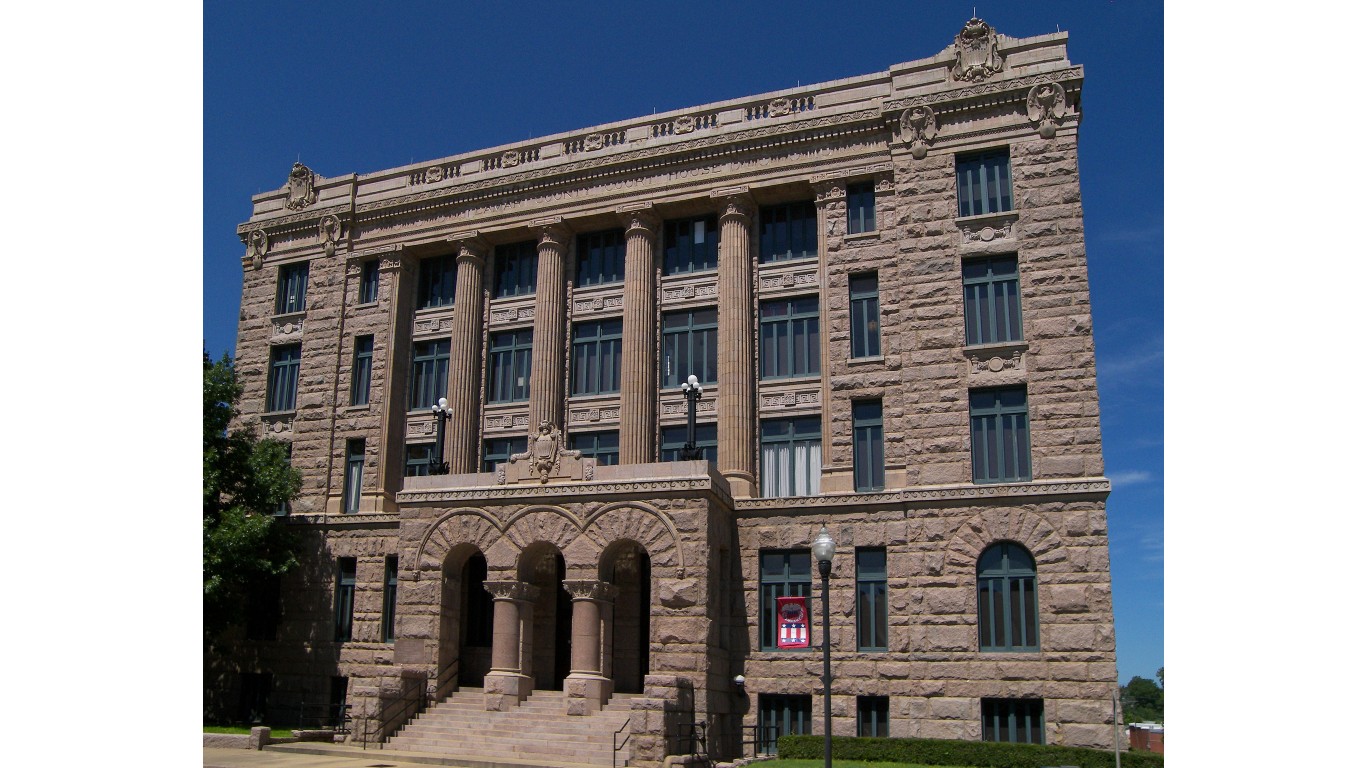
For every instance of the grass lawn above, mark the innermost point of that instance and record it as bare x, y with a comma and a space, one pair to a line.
835, 764
275, 733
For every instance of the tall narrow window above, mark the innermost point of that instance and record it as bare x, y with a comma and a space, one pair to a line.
369, 282
510, 366
345, 597
872, 716
478, 603
672, 440
689, 347
360, 370
782, 573
1000, 435
871, 572
862, 207
787, 232
292, 288
869, 465
601, 258
791, 457
991, 300
779, 716
355, 466
516, 265
597, 358
690, 245
865, 333
284, 377
1007, 599
336, 702
984, 183
789, 338
390, 596
431, 359
417, 459
1019, 721
603, 446
498, 450
436, 282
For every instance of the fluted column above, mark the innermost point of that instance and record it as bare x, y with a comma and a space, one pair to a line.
735, 388
639, 385
509, 679
466, 347
586, 688
547, 337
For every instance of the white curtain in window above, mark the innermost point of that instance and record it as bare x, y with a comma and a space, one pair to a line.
791, 469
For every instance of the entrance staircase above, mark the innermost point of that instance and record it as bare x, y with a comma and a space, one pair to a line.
537, 733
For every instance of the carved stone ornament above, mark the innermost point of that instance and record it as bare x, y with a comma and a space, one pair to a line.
592, 141
685, 124
257, 245
544, 451
434, 174
918, 128
300, 188
977, 56
779, 107
329, 231
1046, 105
511, 158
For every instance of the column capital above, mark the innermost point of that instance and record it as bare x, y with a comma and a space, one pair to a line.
471, 245
551, 231
639, 217
590, 589
734, 202
511, 590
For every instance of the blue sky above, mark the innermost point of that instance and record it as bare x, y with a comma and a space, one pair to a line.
348, 87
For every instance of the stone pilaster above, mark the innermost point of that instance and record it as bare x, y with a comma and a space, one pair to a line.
735, 389
397, 272
639, 382
547, 338
467, 328
508, 682
831, 221
587, 688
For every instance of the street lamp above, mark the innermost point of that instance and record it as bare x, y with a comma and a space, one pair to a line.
441, 412
693, 392
823, 549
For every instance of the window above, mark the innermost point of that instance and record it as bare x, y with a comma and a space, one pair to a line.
336, 701
780, 716
516, 269
689, 245
418, 459
791, 456
346, 596
292, 288
478, 603
991, 300
431, 359
597, 357
984, 183
789, 338
689, 347
1015, 720
369, 282
862, 207
510, 366
499, 449
284, 377
672, 440
1007, 599
355, 465
1000, 435
782, 573
869, 466
787, 232
865, 333
872, 716
601, 258
436, 282
871, 573
360, 370
603, 446
390, 596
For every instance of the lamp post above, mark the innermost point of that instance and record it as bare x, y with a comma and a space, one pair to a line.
441, 412
823, 549
693, 392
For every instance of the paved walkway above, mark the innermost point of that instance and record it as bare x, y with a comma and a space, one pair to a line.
339, 757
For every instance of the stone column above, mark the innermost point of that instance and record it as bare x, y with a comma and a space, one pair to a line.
586, 688
639, 381
547, 337
831, 221
467, 335
735, 389
508, 682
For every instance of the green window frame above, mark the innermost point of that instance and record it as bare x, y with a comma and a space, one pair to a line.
497, 450
515, 266
870, 566
1017, 721
788, 232
601, 258
789, 338
390, 597
690, 245
1007, 599
869, 460
369, 282
790, 456
283, 386
865, 331
596, 357
782, 573
872, 716
355, 469
510, 366
781, 715
984, 183
861, 204
688, 342
436, 282
1000, 435
431, 365
991, 300
417, 459
604, 446
345, 598
361, 362
291, 290
672, 439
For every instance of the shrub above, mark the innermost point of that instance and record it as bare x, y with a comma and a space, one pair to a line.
984, 754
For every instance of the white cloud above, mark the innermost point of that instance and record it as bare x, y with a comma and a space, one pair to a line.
1129, 477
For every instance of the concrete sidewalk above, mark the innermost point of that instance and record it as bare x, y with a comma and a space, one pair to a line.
321, 755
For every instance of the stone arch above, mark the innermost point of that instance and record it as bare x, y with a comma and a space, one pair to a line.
640, 523
1023, 527
542, 522
541, 564
467, 525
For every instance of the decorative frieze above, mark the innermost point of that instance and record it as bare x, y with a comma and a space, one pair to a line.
505, 315
682, 124
506, 421
278, 425
990, 228
807, 278
793, 399
427, 325
434, 174
595, 141
282, 326
597, 304
780, 107
593, 415
1013, 361
420, 425
681, 293
671, 407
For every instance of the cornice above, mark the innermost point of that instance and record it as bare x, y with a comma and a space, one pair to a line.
276, 225
1087, 488
942, 100
672, 486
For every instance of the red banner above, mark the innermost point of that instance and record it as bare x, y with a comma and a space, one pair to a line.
792, 623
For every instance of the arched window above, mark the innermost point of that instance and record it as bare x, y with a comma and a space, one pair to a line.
1007, 599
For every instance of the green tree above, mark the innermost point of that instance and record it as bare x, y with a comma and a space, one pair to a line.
245, 481
1142, 700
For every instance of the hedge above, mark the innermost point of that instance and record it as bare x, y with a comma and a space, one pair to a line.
981, 754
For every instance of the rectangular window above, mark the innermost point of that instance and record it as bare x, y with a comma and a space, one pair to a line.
690, 245
355, 466
984, 183
869, 464
672, 440
390, 596
369, 282
689, 347
360, 370
1000, 435
870, 565
787, 232
601, 258
597, 358
516, 269
346, 597
780, 716
865, 332
991, 300
431, 361
790, 457
436, 282
862, 207
603, 446
418, 459
872, 716
499, 449
782, 573
510, 366
336, 701
284, 377
1019, 721
789, 338
292, 288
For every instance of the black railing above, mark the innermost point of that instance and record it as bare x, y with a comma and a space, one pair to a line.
329, 717
618, 747
690, 739
444, 680
763, 739
411, 701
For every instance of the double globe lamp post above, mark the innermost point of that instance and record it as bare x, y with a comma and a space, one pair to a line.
823, 549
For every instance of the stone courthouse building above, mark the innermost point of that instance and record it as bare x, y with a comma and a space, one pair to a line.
880, 283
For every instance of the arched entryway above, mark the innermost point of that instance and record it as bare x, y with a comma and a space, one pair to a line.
542, 566
466, 617
626, 565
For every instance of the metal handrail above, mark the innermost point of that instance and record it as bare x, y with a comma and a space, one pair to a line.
386, 717
618, 747
443, 679
756, 742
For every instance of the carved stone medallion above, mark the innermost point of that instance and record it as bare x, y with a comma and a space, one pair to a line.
1046, 105
543, 455
434, 174
977, 57
300, 188
685, 124
329, 231
592, 141
779, 107
511, 158
918, 128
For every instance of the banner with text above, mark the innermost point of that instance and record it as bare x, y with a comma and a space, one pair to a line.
792, 623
